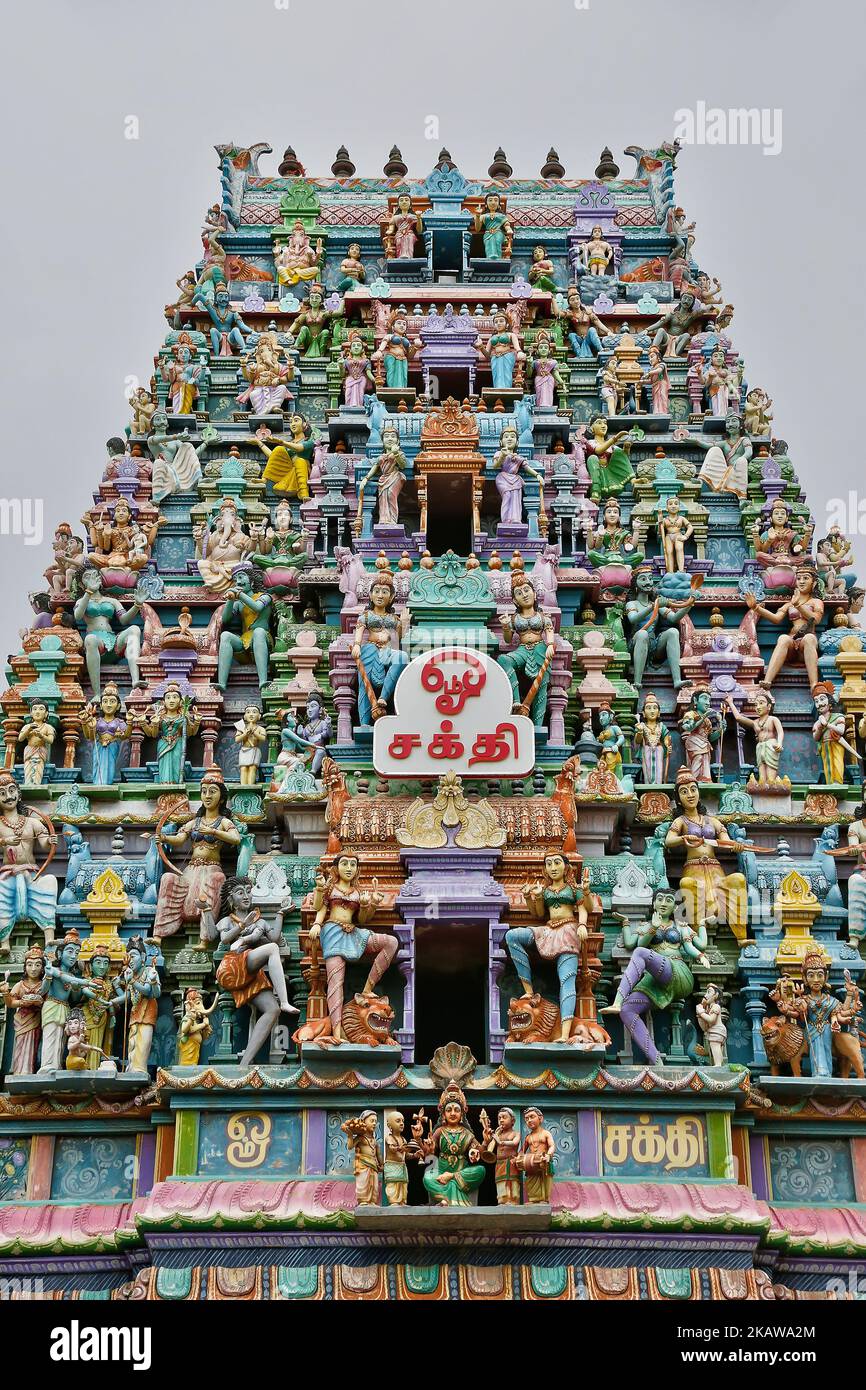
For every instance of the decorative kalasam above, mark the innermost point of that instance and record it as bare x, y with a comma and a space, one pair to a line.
263, 981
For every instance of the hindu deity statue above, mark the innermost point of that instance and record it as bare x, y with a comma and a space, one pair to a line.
96, 611
495, 229
804, 612
62, 988
251, 969
676, 328
607, 461
289, 459
833, 555
228, 328
402, 230
339, 934
357, 372
176, 461
708, 1012
530, 660
502, 1144
139, 980
653, 738
296, 260
609, 386
504, 350
612, 741
279, 544
184, 893
674, 531
122, 544
24, 1001
779, 545
757, 415
769, 737
726, 466
352, 267
658, 973
106, 724
546, 376
171, 721
611, 543
719, 382
456, 1170
536, 1159
105, 998
143, 408
367, 1164
378, 657
250, 737
312, 326
390, 468
653, 622
540, 273
247, 603
37, 734
395, 350
303, 742
831, 1025
828, 731
509, 466
27, 893
195, 1028
708, 891
268, 375
701, 728
220, 547
64, 574
657, 382
182, 374
586, 329
595, 254
561, 906
395, 1174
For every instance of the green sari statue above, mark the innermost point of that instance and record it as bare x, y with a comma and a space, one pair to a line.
456, 1172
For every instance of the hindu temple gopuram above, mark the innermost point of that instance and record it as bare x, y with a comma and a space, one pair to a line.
434, 858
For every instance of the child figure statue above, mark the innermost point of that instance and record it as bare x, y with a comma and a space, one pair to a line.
366, 1156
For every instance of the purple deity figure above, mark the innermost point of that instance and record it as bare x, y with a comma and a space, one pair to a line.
357, 372
509, 480
546, 376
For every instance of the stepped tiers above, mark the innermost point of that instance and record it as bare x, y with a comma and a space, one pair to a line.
432, 803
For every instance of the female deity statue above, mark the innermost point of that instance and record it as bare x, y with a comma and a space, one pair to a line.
708, 891
37, 735
119, 545
378, 659
250, 737
268, 377
830, 1024
701, 728
561, 906
494, 228
546, 376
504, 350
25, 1000
828, 731
612, 544
395, 1173
353, 270
717, 378
357, 372
540, 273
658, 973
176, 461
289, 459
96, 611
390, 467
220, 547
607, 461
608, 386
182, 375
339, 933
361, 1141
401, 231
106, 724
653, 738
251, 969
596, 254
780, 546
139, 981
280, 545
182, 895
531, 658
804, 612
769, 738
456, 1172
171, 721
509, 465
502, 1144
195, 1028
62, 989
106, 997
726, 466
536, 1160
295, 259
313, 325
658, 383
674, 530
395, 350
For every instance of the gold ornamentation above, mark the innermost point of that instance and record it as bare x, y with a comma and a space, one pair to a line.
428, 823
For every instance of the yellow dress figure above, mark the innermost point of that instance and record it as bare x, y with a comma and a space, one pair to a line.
288, 465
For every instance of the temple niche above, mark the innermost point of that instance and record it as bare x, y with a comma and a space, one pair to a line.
432, 792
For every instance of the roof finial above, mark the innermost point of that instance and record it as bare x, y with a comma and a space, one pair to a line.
552, 168
607, 169
395, 167
342, 167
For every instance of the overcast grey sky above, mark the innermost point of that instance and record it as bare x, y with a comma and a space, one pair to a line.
96, 228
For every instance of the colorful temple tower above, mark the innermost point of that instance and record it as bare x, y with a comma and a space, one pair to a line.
432, 784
